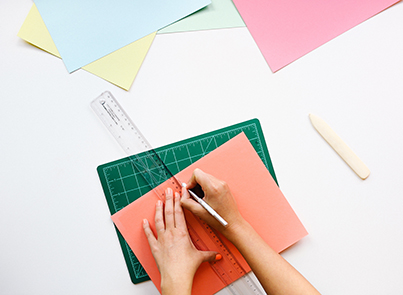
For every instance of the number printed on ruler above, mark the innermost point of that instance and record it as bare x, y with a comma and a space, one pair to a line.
154, 171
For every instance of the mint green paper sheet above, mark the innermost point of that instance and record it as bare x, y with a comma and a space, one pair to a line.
220, 14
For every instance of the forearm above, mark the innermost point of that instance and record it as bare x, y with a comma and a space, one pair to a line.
275, 274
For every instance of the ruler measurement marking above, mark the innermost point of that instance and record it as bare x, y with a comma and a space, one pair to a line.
176, 162
110, 192
123, 185
131, 260
189, 156
156, 171
208, 145
165, 157
237, 130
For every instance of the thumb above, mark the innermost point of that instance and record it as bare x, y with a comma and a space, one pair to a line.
210, 256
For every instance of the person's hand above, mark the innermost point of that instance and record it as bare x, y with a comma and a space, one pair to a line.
218, 195
274, 273
176, 256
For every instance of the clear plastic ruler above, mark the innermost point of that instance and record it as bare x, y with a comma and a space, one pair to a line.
155, 172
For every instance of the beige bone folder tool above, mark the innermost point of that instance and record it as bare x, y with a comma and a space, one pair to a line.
340, 147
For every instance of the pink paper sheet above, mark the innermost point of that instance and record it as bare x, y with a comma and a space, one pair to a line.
259, 199
288, 29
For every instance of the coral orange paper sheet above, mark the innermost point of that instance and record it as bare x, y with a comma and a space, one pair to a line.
288, 29
259, 199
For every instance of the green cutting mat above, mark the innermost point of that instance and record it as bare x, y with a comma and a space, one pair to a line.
122, 184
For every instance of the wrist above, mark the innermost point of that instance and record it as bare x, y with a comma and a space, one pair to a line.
237, 229
174, 285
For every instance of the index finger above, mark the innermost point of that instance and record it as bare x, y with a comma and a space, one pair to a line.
198, 177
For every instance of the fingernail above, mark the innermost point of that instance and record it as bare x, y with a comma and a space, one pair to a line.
184, 185
169, 191
218, 257
145, 221
159, 203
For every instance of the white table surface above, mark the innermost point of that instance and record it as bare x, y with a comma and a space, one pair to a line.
56, 236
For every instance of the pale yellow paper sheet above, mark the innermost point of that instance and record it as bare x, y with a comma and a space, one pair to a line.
119, 67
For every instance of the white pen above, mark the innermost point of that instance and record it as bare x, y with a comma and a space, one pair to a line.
207, 207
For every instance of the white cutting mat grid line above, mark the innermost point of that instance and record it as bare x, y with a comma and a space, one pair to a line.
251, 128
211, 143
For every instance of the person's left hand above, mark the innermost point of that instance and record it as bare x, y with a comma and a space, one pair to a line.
176, 256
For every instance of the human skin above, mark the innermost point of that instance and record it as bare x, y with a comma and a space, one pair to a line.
178, 259
274, 273
173, 250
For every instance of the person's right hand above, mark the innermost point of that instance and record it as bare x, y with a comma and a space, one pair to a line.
218, 195
274, 273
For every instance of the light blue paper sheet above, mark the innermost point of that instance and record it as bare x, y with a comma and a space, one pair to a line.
86, 30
